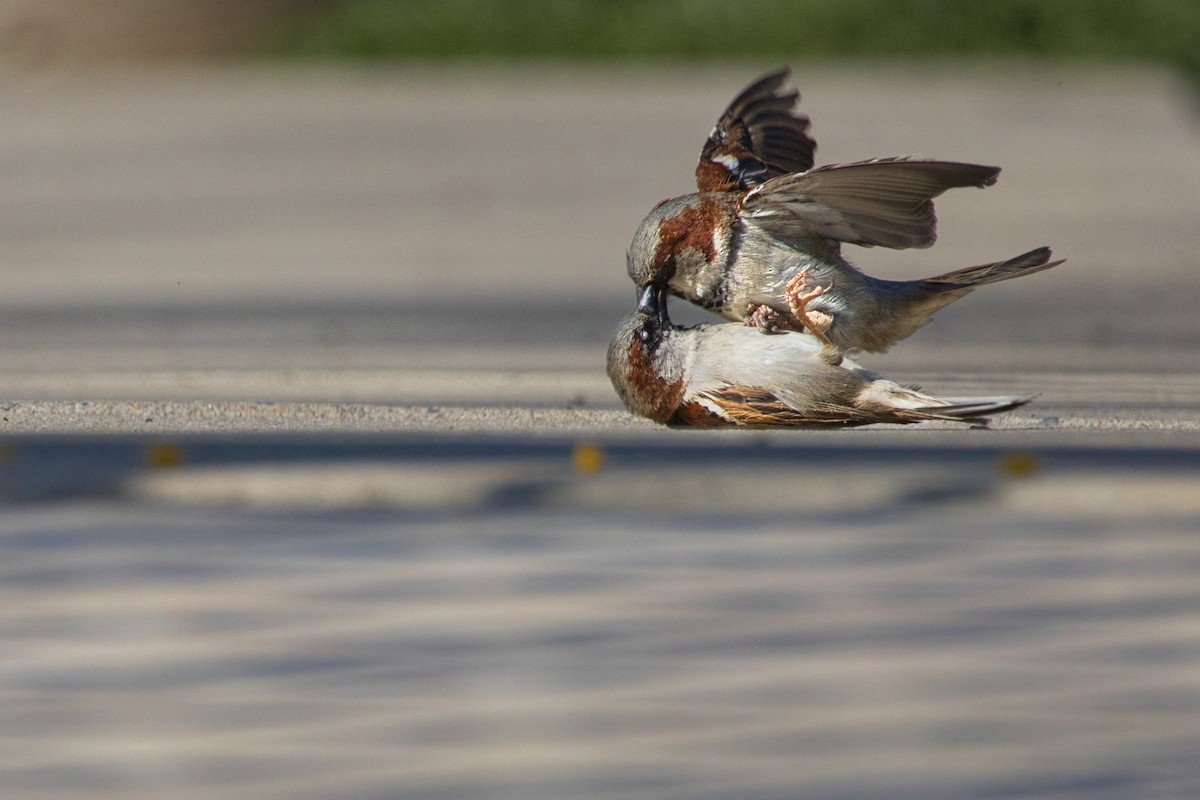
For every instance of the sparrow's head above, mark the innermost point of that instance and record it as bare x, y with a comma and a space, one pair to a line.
644, 329
683, 244
678, 235
644, 364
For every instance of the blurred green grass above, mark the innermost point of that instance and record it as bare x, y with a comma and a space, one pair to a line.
1164, 31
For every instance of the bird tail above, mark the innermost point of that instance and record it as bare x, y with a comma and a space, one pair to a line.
959, 408
906, 404
1024, 264
910, 305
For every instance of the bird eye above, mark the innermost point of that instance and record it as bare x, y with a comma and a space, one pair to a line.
644, 336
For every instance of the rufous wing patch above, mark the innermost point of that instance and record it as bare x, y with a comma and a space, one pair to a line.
697, 415
714, 177
728, 165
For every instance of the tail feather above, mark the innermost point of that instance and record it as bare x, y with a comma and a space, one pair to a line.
1024, 264
910, 305
905, 404
972, 407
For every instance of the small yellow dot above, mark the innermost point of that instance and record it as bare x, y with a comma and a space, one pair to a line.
1019, 464
588, 458
162, 455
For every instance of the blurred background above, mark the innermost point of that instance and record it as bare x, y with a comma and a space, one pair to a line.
312, 484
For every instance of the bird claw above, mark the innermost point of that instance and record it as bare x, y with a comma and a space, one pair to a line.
768, 320
799, 293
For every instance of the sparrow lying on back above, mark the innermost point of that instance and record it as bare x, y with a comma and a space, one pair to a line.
727, 374
761, 239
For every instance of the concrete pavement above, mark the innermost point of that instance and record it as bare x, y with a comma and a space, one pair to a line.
313, 486
172, 234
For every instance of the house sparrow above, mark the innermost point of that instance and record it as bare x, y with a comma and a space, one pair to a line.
726, 374
761, 240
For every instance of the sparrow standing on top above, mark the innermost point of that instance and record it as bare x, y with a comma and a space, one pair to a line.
727, 374
761, 240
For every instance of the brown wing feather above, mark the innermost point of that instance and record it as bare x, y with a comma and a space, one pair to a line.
755, 407
886, 202
760, 408
696, 415
759, 137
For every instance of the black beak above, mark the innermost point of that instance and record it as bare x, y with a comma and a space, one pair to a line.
651, 299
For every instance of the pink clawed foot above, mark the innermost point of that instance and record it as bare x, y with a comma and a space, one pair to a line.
768, 320
799, 293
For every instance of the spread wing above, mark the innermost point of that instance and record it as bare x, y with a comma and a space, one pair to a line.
758, 138
886, 202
